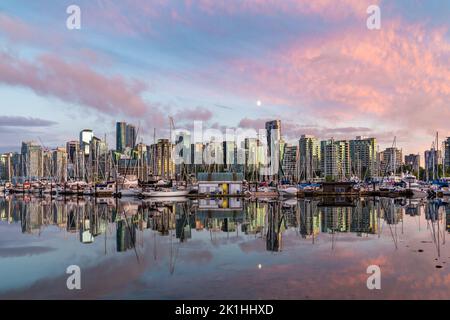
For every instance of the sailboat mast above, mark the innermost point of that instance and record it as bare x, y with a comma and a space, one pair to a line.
395, 156
437, 153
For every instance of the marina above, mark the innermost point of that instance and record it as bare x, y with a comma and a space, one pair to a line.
223, 248
224, 155
204, 190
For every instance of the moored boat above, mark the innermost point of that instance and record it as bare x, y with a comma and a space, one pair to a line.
129, 192
288, 191
413, 187
105, 189
165, 192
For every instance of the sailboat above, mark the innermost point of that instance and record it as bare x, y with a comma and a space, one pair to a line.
129, 187
105, 189
166, 192
288, 191
414, 187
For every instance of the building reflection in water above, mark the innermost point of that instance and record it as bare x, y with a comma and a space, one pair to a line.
266, 220
125, 234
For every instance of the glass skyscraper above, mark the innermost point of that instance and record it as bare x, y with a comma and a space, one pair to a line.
121, 136
125, 136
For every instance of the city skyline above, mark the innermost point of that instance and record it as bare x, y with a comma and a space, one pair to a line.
216, 157
255, 155
316, 67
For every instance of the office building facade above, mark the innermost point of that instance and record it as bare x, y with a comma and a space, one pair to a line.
6, 167
32, 160
363, 156
162, 165
413, 161
335, 159
391, 160
309, 158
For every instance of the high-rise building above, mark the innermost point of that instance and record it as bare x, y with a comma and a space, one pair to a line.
363, 156
6, 167
47, 163
17, 164
162, 164
32, 160
197, 156
273, 133
130, 141
391, 160
446, 148
213, 155
230, 155
309, 158
282, 148
335, 159
183, 156
433, 158
253, 157
74, 159
290, 163
85, 140
98, 166
121, 136
142, 156
125, 136
59, 171
413, 161
72, 149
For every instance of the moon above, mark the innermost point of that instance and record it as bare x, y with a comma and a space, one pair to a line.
259, 103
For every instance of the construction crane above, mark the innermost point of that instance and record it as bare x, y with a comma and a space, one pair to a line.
171, 126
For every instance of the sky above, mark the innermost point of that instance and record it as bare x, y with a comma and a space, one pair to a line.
312, 64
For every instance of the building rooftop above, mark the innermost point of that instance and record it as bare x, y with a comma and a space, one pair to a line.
220, 176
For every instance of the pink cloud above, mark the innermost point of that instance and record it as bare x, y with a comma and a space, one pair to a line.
14, 29
293, 130
76, 83
397, 76
325, 8
126, 17
19, 32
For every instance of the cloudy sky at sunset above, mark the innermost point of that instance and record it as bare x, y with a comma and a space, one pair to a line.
312, 64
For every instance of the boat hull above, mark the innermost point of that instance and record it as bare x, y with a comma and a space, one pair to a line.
288, 192
418, 193
129, 193
167, 199
164, 194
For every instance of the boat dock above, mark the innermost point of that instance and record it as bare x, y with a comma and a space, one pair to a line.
309, 194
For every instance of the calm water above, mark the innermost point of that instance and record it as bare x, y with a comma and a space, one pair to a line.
215, 249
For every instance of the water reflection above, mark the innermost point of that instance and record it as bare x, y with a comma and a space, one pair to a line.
139, 226
91, 218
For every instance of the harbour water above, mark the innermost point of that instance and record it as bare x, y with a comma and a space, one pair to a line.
223, 248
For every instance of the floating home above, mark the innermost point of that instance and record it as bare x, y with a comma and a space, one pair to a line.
220, 183
338, 188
